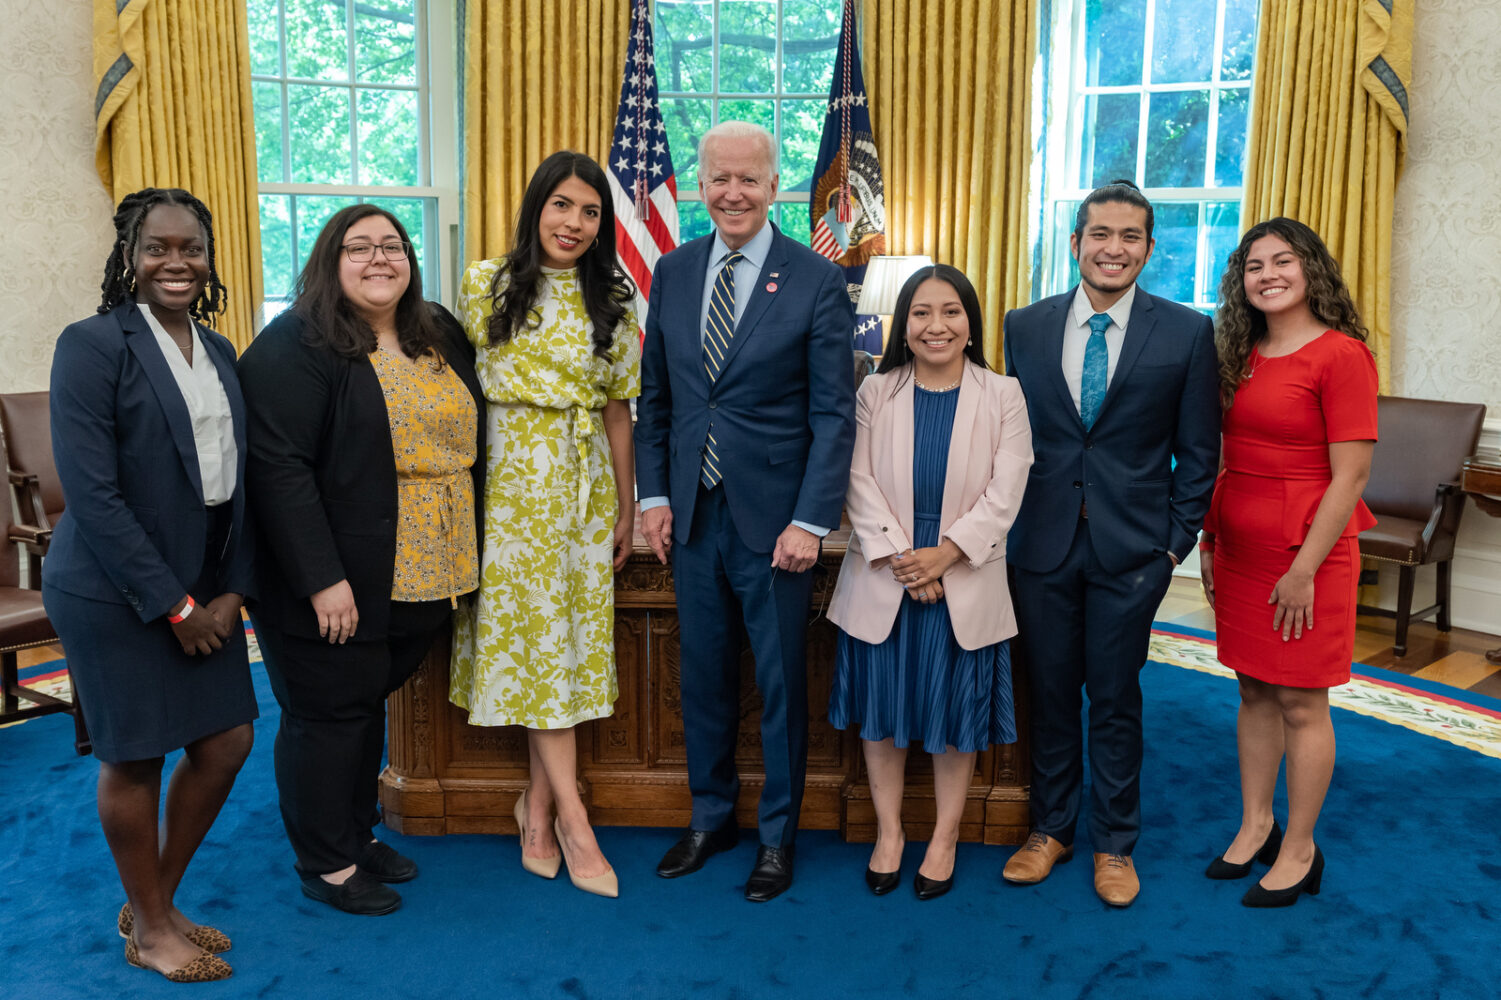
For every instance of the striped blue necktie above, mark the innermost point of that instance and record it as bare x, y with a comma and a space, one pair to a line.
1096, 376
717, 334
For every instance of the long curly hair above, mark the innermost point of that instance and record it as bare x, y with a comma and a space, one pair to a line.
1238, 325
328, 318
604, 286
119, 283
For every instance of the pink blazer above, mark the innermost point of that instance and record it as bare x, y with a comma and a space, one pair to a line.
990, 452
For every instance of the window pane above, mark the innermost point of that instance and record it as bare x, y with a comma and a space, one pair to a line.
1177, 136
802, 131
267, 104
413, 215
810, 39
317, 40
276, 244
385, 41
747, 46
1170, 272
792, 218
1230, 158
1110, 135
265, 45
687, 119
762, 111
693, 220
313, 210
1115, 33
320, 134
684, 45
1183, 41
388, 137
1222, 222
1065, 268
1240, 40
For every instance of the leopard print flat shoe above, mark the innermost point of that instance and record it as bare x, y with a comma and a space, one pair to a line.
208, 938
205, 968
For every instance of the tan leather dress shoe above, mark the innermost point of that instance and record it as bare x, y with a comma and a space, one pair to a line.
1115, 879
1036, 858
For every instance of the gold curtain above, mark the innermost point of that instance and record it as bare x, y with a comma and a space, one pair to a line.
173, 109
950, 89
1329, 133
539, 76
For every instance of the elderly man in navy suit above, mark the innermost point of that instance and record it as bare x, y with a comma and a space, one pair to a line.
1123, 397
745, 428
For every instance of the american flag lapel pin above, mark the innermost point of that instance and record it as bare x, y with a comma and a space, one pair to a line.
771, 286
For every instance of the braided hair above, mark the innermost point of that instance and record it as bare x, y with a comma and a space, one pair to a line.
119, 283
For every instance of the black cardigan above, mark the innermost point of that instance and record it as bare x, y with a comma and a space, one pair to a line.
321, 473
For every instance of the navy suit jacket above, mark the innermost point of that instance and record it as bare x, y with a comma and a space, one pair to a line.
783, 407
1162, 405
134, 526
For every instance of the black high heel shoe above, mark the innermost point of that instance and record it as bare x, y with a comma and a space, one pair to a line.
1262, 897
882, 882
1219, 868
931, 888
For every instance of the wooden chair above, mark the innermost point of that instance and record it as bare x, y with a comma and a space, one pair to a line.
1414, 493
25, 421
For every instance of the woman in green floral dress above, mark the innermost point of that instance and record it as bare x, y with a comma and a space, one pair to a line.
559, 358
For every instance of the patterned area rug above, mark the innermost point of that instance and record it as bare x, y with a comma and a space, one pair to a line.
1445, 713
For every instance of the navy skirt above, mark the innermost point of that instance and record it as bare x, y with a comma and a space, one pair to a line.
919, 687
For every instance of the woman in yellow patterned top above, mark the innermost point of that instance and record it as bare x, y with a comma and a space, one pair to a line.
559, 357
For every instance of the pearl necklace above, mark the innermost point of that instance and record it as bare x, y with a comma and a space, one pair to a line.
929, 388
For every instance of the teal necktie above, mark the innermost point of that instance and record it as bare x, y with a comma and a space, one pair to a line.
1096, 377
718, 333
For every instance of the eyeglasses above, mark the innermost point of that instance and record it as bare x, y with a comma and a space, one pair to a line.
363, 252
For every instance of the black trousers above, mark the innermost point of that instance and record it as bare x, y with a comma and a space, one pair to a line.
333, 728
1085, 627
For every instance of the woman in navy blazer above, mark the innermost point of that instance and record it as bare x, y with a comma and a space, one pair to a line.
149, 563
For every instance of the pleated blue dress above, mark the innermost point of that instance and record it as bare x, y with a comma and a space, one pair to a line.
919, 687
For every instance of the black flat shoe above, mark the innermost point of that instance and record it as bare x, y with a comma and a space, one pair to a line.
694, 848
882, 882
386, 865
360, 894
772, 875
931, 888
1261, 897
1219, 868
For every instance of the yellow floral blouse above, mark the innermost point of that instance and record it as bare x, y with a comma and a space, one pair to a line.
433, 420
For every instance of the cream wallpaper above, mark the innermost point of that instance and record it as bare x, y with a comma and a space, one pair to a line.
54, 214
1446, 299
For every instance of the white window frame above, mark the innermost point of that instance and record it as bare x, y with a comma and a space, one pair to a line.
438, 142
1063, 147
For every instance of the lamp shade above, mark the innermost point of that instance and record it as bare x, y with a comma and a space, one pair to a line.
884, 277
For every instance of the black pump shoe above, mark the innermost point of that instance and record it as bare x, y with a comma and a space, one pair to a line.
931, 888
1261, 897
1219, 868
882, 882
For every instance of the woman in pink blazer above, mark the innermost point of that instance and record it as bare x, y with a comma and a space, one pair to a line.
942, 449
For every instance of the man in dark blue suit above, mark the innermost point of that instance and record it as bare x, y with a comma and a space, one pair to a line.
1123, 398
744, 433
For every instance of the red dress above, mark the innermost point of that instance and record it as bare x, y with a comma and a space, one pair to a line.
1276, 453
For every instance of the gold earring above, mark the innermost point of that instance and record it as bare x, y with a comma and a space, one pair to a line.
595, 243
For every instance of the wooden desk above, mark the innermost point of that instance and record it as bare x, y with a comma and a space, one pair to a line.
1482, 480
445, 776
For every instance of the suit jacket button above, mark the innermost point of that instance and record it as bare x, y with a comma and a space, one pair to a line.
1077, 484
713, 406
883, 527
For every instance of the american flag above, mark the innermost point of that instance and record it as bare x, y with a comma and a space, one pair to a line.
848, 205
640, 165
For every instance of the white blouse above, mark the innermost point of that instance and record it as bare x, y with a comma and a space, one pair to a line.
208, 407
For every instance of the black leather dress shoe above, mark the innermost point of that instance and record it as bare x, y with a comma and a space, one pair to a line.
772, 875
882, 882
386, 865
931, 888
359, 894
694, 848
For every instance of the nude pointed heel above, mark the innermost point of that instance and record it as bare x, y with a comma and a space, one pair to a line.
601, 885
545, 867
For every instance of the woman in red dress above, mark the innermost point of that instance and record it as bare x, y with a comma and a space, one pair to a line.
1299, 386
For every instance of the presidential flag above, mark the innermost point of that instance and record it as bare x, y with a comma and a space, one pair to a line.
640, 165
848, 206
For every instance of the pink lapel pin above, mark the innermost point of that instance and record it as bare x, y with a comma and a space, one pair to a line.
771, 286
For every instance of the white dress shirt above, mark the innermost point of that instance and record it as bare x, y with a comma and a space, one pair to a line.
1076, 334
208, 407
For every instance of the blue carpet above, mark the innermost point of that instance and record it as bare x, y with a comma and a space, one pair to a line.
1407, 909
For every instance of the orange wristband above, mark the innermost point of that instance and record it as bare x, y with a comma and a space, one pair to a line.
187, 609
